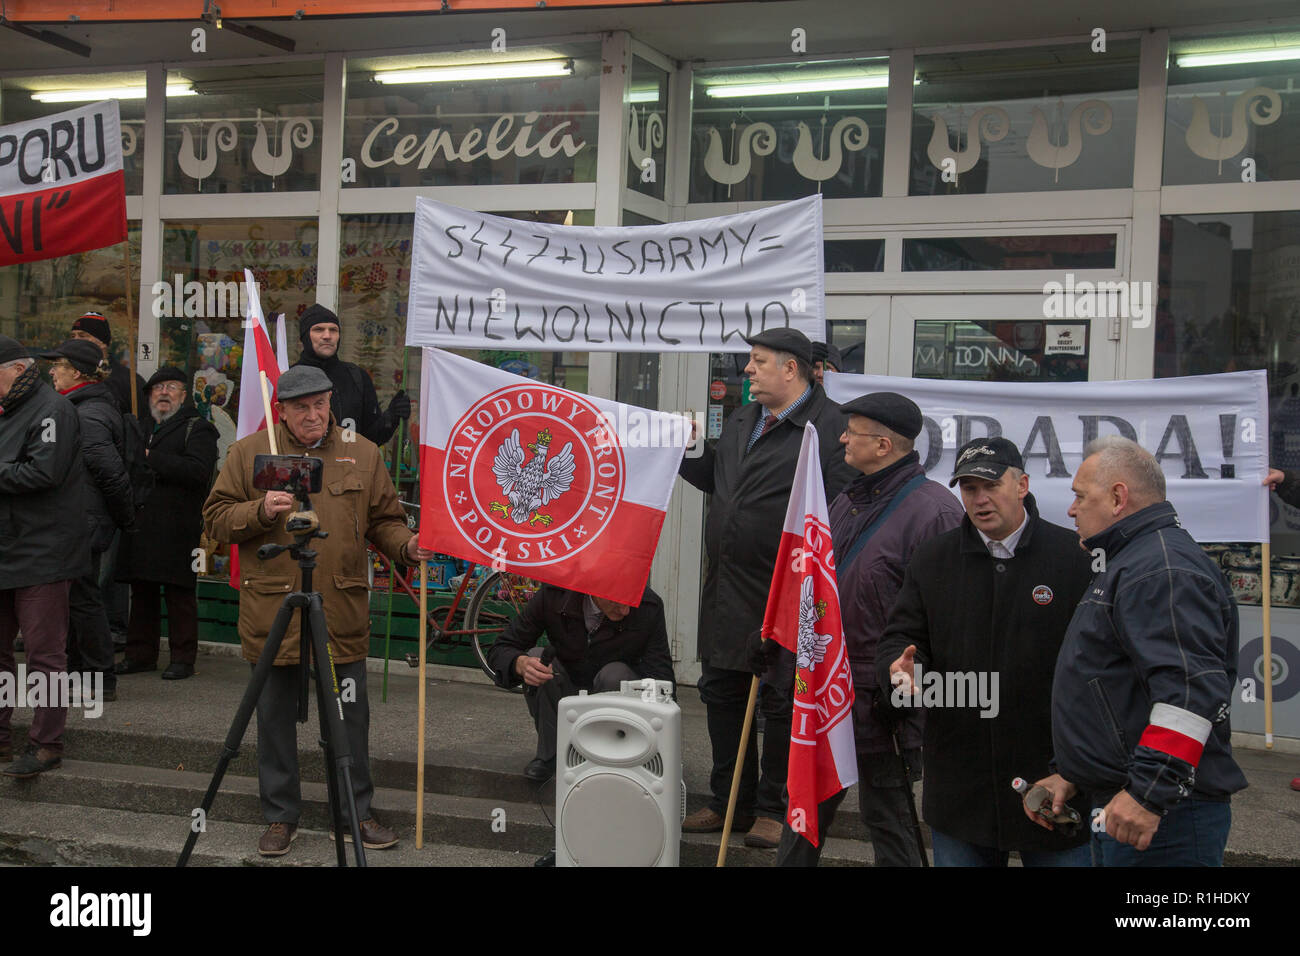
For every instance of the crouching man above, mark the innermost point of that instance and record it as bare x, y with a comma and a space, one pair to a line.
357, 502
597, 644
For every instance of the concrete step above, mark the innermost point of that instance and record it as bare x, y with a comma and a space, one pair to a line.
165, 800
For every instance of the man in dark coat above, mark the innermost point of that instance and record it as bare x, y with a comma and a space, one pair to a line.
93, 327
43, 545
78, 374
749, 473
597, 644
353, 398
988, 602
1144, 681
888, 511
181, 452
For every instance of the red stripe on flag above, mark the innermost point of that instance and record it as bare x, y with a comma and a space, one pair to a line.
1173, 743
83, 215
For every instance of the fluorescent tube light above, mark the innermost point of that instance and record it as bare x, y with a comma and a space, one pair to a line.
1241, 56
649, 95
865, 81
116, 93
524, 69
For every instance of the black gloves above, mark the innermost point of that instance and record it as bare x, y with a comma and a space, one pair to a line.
399, 407
761, 654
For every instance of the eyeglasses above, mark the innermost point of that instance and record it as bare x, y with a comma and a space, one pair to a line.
169, 387
850, 431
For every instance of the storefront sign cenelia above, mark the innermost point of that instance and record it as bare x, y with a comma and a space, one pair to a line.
496, 143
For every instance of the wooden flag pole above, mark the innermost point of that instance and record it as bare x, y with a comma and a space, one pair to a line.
419, 733
133, 328
740, 766
1267, 574
266, 407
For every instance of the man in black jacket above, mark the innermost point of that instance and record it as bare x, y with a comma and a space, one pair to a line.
1145, 676
94, 327
983, 608
182, 449
353, 397
43, 545
79, 373
749, 472
597, 644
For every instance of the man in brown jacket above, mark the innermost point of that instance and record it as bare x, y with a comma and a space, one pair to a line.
357, 502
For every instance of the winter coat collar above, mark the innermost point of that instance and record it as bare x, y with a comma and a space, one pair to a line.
971, 540
24, 386
183, 414
309, 357
89, 391
883, 482
1149, 519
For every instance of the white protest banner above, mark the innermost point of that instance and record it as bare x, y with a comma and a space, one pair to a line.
1209, 433
61, 184
483, 281
538, 480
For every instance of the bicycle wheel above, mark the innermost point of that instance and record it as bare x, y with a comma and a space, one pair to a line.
497, 601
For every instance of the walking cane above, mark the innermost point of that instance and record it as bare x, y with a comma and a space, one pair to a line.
740, 766
911, 798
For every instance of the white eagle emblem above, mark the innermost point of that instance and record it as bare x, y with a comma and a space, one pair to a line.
529, 486
811, 646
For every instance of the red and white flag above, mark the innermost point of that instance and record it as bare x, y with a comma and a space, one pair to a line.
61, 184
803, 616
562, 487
259, 356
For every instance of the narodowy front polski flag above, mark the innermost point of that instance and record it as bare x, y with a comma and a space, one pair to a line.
541, 481
803, 616
61, 184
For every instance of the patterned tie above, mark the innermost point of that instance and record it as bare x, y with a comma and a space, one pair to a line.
768, 422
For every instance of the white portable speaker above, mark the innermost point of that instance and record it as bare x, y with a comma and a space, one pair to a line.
619, 797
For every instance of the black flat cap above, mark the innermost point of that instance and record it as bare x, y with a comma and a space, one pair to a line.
11, 350
82, 355
986, 458
896, 412
168, 373
302, 380
785, 340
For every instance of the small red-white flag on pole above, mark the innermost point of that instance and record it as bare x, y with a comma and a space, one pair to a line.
803, 616
259, 357
565, 488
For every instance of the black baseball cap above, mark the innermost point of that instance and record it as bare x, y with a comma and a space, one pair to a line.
986, 458
11, 350
82, 355
896, 412
785, 340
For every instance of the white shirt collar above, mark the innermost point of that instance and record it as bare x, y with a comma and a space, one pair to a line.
1006, 548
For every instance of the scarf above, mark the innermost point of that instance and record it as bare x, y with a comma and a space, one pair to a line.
21, 389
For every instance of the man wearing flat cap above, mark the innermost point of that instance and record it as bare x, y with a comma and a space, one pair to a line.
181, 451
888, 511
749, 472
353, 395
993, 596
43, 544
357, 503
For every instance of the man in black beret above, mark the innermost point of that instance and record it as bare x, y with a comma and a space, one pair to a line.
749, 472
158, 561
353, 396
889, 510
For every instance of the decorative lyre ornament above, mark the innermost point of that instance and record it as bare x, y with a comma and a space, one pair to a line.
1094, 116
760, 137
297, 131
1208, 146
989, 122
222, 136
850, 130
639, 150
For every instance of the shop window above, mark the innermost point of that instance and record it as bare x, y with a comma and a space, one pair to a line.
244, 129
849, 336
854, 255
473, 119
1232, 110
997, 351
1024, 120
647, 134
40, 300
200, 303
787, 131
967, 253
28, 98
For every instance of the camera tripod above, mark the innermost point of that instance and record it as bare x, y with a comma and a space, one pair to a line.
304, 525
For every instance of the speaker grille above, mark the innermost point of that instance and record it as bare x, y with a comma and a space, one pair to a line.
655, 765
573, 759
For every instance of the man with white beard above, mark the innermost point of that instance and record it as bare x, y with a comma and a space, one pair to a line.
181, 452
